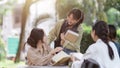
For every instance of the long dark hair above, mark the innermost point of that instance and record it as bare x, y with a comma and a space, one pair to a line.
35, 35
101, 30
112, 32
77, 15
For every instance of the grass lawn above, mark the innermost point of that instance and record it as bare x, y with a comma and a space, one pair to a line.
10, 64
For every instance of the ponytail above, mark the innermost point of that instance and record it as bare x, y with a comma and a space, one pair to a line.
110, 51
101, 30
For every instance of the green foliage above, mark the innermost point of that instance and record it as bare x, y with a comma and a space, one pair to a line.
102, 16
91, 11
86, 28
112, 3
118, 35
113, 16
63, 6
2, 50
7, 7
86, 40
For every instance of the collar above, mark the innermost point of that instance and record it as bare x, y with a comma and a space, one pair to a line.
99, 40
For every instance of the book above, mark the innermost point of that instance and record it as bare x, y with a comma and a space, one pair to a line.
60, 58
71, 36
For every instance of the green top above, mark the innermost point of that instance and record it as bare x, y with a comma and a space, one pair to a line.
54, 33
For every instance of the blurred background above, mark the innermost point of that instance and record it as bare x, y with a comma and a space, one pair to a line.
18, 17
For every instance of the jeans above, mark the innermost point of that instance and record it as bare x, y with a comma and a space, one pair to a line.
68, 51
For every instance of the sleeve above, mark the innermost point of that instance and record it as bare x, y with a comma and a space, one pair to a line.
38, 60
76, 64
54, 32
75, 45
89, 54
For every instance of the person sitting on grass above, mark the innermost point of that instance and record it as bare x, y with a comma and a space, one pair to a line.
39, 54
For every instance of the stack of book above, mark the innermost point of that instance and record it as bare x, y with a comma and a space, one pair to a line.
71, 36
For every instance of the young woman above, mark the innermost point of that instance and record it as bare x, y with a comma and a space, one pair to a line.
39, 53
102, 51
113, 37
73, 22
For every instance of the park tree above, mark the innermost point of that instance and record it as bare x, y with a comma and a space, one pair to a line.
63, 6
25, 14
112, 3
93, 9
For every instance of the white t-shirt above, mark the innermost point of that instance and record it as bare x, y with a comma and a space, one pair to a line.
99, 52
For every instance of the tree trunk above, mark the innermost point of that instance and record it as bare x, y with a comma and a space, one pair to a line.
25, 14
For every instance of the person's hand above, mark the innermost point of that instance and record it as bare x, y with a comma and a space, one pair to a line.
72, 58
57, 49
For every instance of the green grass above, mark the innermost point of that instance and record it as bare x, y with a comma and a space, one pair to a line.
10, 64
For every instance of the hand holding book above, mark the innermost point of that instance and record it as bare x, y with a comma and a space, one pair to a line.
70, 36
60, 58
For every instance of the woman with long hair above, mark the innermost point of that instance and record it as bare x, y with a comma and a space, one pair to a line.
39, 53
102, 51
72, 22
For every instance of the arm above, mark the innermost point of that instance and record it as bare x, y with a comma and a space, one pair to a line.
54, 32
79, 56
38, 59
89, 53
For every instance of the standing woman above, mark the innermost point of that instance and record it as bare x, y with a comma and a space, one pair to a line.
73, 22
102, 51
39, 53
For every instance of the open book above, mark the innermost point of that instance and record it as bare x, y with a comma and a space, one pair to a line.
71, 36
60, 58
